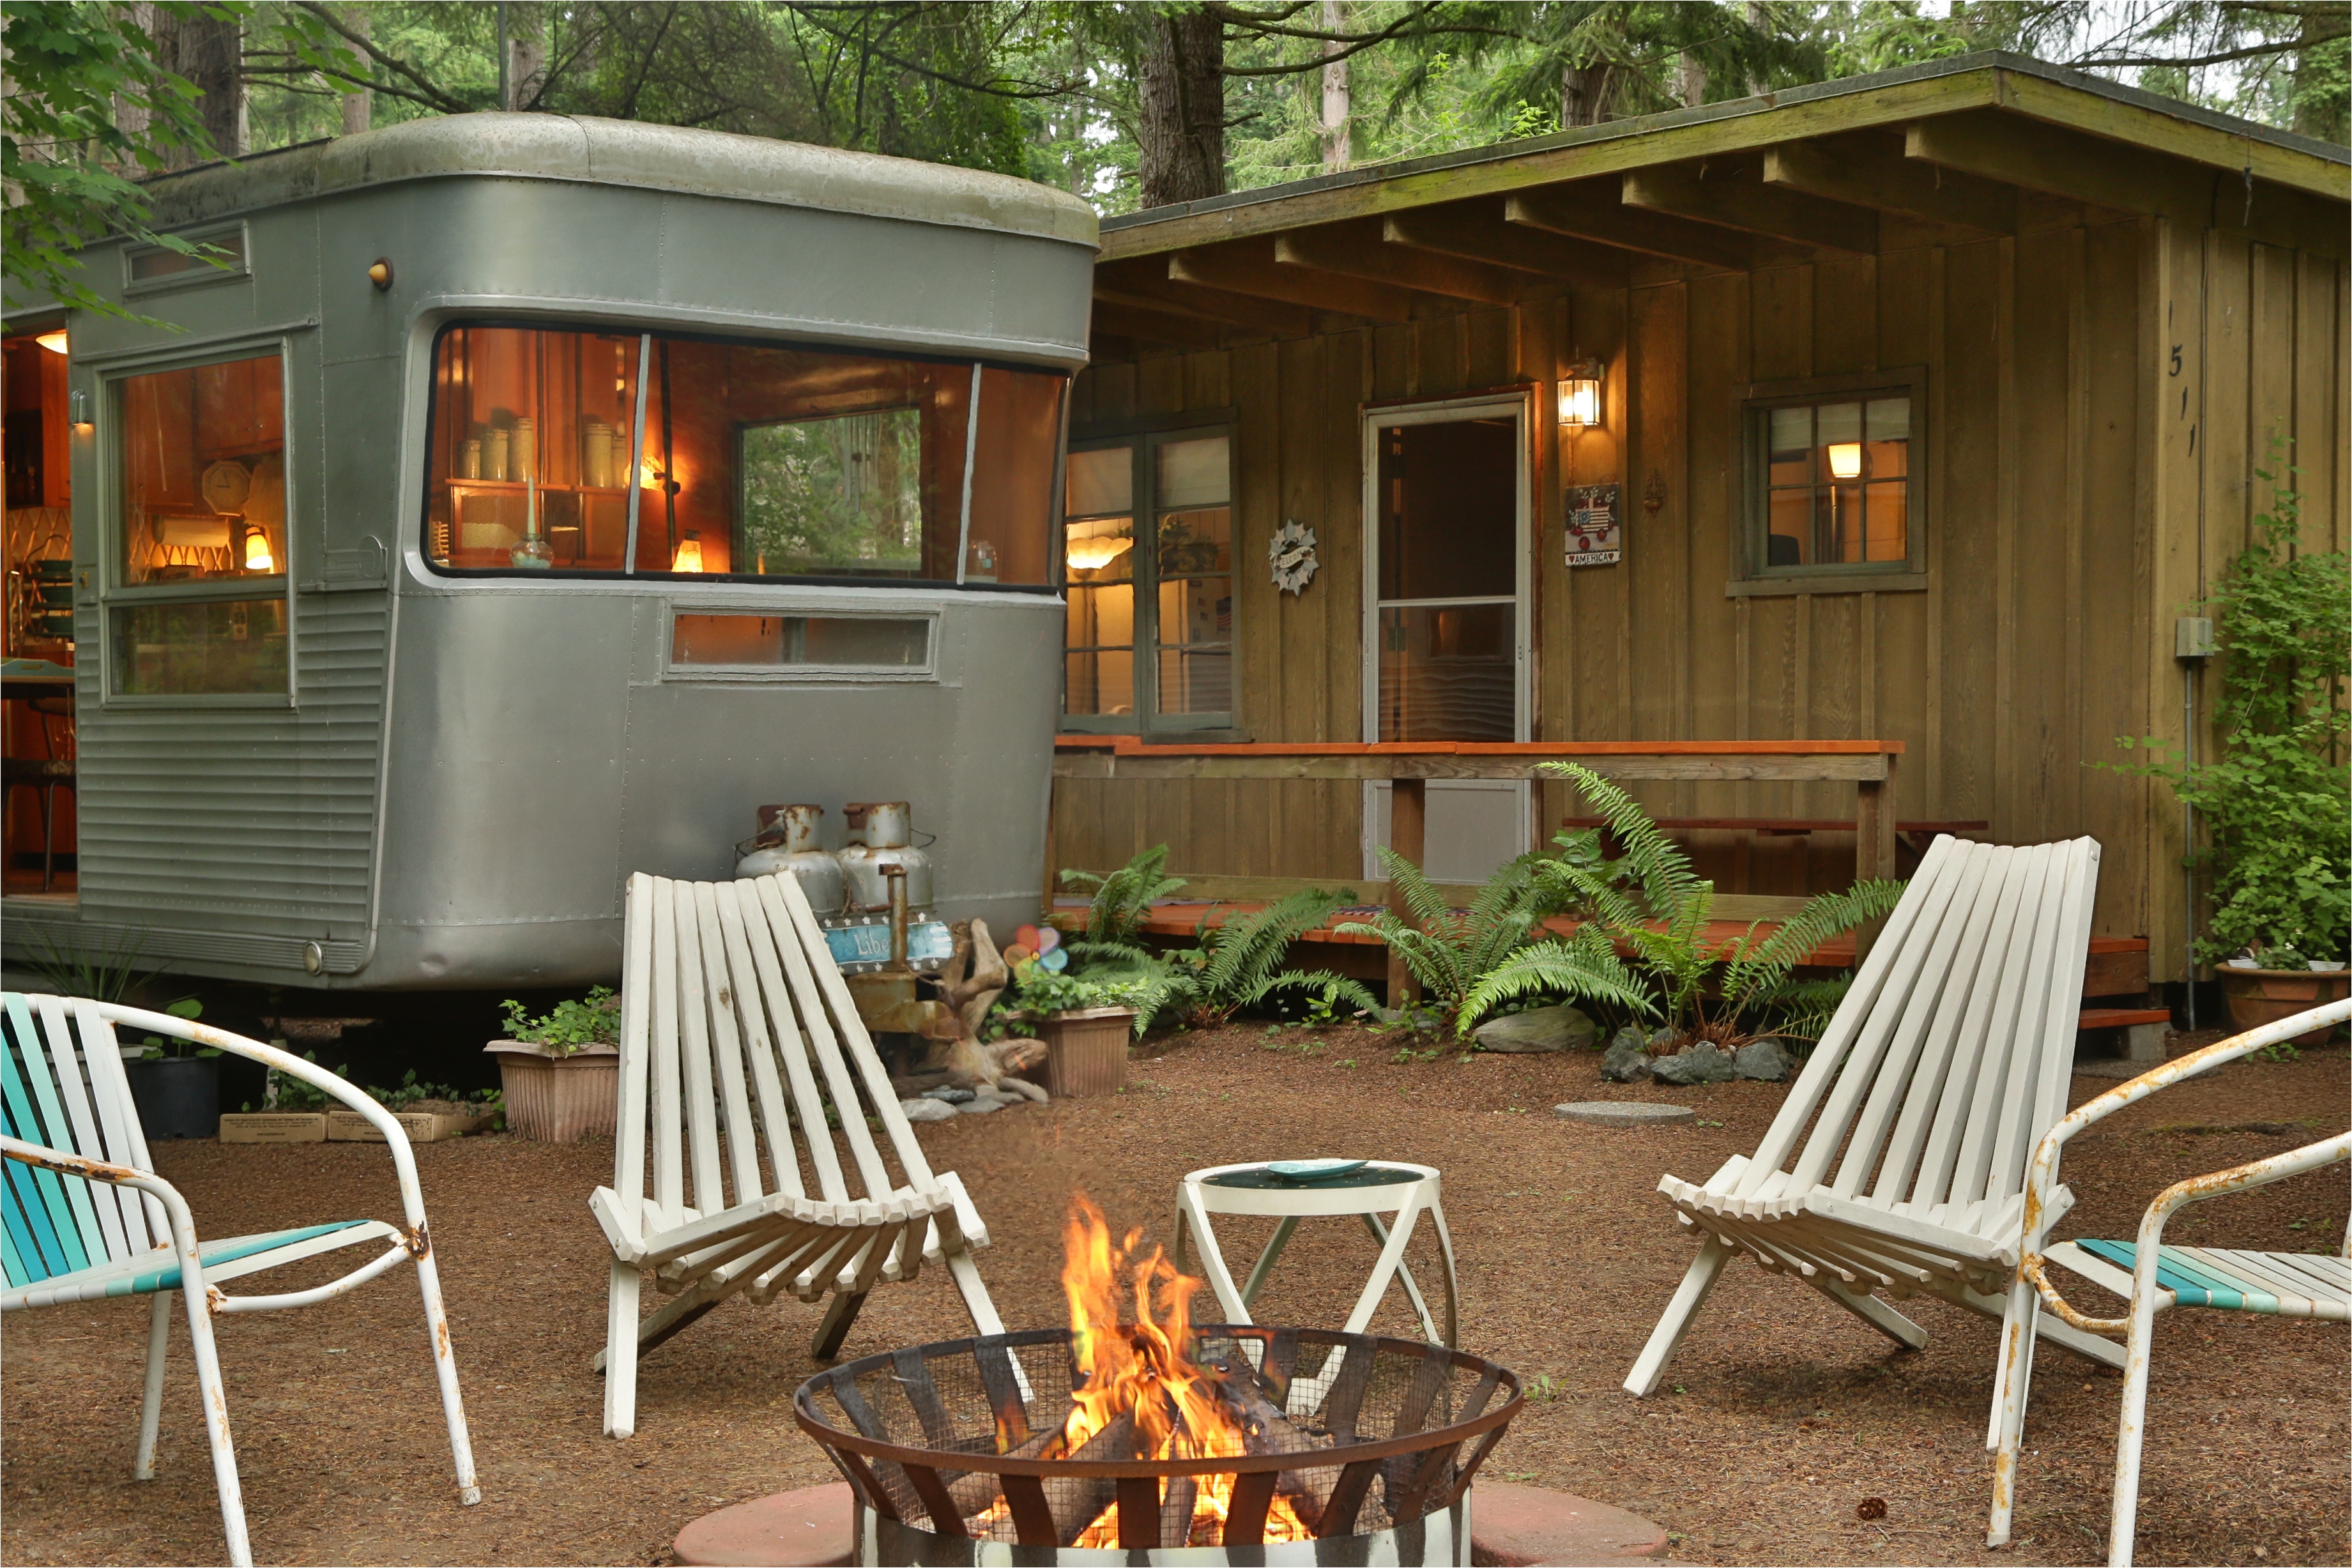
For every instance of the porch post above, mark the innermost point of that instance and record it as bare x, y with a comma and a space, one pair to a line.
1406, 815
1873, 842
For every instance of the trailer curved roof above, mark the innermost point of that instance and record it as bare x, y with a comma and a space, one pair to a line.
631, 153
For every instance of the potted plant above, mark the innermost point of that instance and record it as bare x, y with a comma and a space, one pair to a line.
2274, 803
1084, 1023
175, 1082
560, 1075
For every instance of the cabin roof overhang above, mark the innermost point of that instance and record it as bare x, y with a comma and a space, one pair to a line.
1948, 152
662, 158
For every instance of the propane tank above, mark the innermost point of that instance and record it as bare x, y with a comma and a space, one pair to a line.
882, 832
787, 841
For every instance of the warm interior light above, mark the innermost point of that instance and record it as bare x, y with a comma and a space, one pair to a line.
1091, 552
1580, 395
689, 553
1846, 459
256, 552
55, 342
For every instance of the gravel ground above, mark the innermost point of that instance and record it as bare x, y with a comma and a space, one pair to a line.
1781, 1415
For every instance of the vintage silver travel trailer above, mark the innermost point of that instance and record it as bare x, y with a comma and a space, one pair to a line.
524, 502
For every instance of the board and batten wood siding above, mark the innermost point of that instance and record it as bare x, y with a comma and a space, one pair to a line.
2060, 508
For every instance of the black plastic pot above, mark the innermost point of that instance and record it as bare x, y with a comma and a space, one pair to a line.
178, 1097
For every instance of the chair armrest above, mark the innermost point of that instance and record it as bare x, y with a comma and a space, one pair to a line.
175, 1208
395, 1136
2042, 1175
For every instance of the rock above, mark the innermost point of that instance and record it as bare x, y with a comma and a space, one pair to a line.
948, 1096
1628, 1059
980, 1107
926, 1109
1025, 1090
1624, 1114
1538, 1029
1764, 1060
1702, 1063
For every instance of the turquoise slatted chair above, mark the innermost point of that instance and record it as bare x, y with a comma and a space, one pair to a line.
83, 1216
2156, 1278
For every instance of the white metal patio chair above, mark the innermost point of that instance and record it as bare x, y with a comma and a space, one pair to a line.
1950, 1056
71, 1138
2155, 1277
739, 972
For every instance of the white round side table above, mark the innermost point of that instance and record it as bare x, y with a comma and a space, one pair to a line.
1380, 1187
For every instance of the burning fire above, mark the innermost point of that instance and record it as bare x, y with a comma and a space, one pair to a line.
1137, 1393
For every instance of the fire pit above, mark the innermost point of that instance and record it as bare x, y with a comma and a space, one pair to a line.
1301, 1445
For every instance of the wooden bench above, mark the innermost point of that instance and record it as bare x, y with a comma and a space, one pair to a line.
2144, 1027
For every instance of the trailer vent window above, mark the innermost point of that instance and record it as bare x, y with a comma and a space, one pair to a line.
805, 643
633, 453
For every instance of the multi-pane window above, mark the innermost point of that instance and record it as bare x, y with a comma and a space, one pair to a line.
1835, 482
202, 562
637, 452
1151, 632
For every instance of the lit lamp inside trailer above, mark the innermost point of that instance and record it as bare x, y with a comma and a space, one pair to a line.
512, 503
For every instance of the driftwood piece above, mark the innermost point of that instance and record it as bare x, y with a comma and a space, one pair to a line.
975, 977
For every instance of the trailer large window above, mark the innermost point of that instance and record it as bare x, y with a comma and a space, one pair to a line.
203, 546
598, 452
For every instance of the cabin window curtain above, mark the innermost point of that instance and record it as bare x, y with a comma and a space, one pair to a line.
1147, 541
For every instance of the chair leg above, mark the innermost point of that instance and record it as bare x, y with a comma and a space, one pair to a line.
1704, 1270
217, 1432
1871, 1310
621, 1351
834, 1327
2013, 1386
444, 1367
151, 1410
2122, 1524
968, 1283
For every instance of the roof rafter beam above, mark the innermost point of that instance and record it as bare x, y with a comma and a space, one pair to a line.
1735, 203
1355, 250
1586, 212
1248, 266
2112, 175
1483, 236
1890, 184
1157, 326
1121, 284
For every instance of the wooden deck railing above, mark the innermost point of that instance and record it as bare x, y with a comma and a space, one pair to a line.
1408, 766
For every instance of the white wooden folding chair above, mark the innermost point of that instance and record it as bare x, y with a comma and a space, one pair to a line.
2155, 1277
737, 1027
1912, 1121
72, 1138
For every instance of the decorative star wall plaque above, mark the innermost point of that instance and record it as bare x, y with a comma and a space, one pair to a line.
1291, 554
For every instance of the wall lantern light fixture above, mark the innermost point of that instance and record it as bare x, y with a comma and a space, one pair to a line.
1580, 395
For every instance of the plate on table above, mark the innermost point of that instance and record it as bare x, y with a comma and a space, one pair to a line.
1303, 1173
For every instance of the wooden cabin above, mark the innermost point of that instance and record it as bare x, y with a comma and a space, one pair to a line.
1921, 407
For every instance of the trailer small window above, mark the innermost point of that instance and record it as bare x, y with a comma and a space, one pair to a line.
814, 642
201, 565
629, 453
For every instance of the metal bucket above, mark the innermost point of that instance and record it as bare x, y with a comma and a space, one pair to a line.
787, 841
882, 832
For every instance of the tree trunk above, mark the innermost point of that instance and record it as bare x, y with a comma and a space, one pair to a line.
1181, 89
205, 49
526, 74
1694, 81
1337, 135
358, 108
1584, 94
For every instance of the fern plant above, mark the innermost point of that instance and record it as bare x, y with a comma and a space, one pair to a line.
1449, 951
1652, 902
1236, 964
1122, 900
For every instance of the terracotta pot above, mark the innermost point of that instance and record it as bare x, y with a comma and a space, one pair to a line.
2258, 996
1085, 1050
557, 1098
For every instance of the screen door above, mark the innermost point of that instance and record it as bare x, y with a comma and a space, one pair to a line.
1446, 615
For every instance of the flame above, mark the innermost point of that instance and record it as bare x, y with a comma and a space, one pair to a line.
1142, 1367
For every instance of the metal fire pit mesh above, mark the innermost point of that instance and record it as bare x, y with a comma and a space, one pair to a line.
1385, 1431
